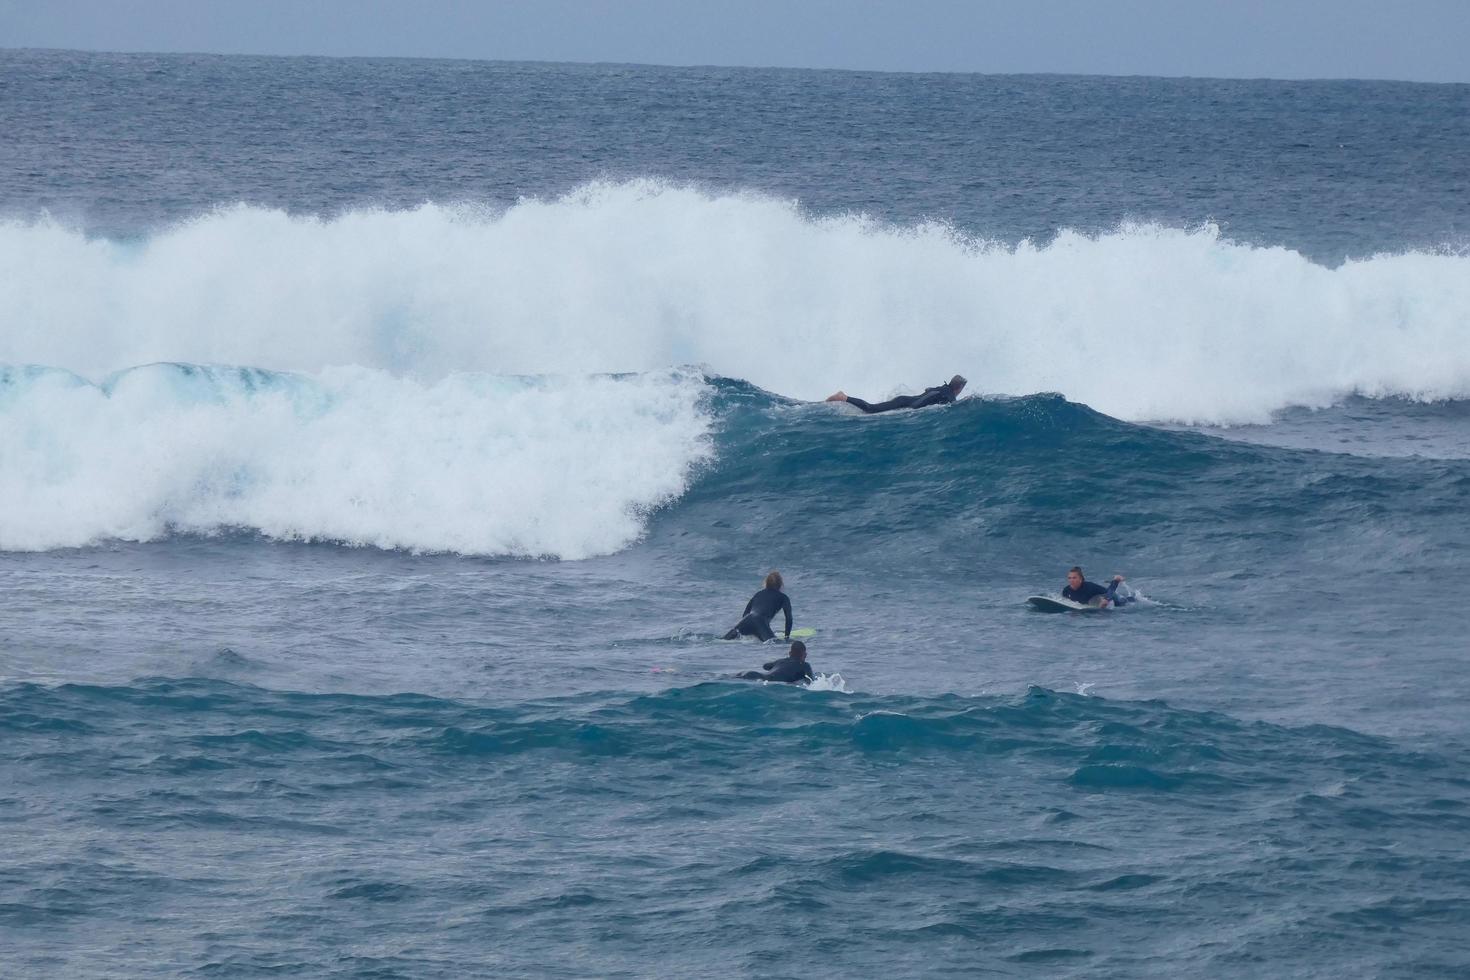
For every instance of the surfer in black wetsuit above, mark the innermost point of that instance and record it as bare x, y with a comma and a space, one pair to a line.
1078, 589
938, 395
791, 669
761, 609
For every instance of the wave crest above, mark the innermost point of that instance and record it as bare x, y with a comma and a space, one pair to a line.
1143, 323
565, 467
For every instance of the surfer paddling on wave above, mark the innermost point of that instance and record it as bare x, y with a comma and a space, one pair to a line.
792, 669
1078, 589
761, 609
938, 395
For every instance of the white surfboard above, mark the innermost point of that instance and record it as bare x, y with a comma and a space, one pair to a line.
1047, 603
805, 633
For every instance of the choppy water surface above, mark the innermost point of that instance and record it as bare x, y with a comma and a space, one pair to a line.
383, 445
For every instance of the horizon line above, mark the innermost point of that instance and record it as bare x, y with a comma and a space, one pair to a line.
734, 67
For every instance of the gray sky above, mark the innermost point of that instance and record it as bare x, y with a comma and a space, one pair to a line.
1421, 40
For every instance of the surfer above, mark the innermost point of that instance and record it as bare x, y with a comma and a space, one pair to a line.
1078, 589
761, 609
791, 669
938, 395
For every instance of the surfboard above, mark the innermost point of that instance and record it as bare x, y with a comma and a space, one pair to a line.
1055, 604
805, 633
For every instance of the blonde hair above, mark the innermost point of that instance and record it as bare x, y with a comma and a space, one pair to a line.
773, 580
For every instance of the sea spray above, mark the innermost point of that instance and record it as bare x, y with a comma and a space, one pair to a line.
1144, 323
561, 466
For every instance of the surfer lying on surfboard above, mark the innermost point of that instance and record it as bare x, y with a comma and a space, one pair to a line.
761, 609
792, 669
938, 395
1078, 589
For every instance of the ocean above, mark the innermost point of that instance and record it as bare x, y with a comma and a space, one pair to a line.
384, 445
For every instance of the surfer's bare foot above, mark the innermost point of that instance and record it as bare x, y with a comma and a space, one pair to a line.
840, 396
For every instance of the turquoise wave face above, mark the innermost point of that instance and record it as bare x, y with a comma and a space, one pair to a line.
1011, 478
1043, 828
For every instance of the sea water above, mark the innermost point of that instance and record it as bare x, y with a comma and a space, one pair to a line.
384, 443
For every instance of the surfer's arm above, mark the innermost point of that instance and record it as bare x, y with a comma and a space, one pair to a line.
940, 395
747, 607
786, 608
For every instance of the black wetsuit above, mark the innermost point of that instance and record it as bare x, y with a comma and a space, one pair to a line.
938, 395
759, 612
1091, 590
787, 670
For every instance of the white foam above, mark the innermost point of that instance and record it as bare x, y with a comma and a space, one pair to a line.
1143, 323
563, 466
829, 682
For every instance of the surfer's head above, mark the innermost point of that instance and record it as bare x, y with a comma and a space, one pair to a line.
798, 650
773, 580
1074, 577
957, 384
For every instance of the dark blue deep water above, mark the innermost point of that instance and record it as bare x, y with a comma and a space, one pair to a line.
384, 444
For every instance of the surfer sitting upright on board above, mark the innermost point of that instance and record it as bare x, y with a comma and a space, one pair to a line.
1078, 589
792, 669
938, 395
761, 609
